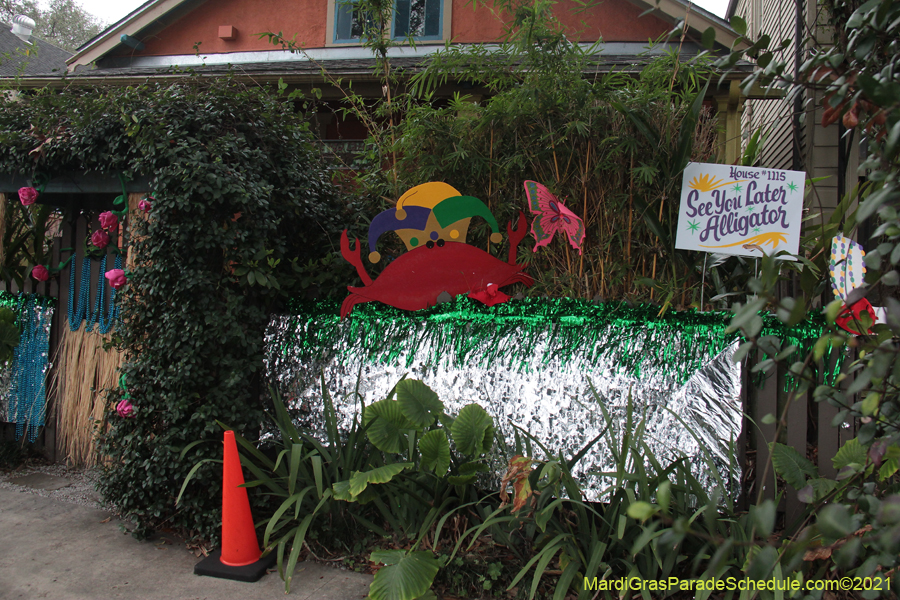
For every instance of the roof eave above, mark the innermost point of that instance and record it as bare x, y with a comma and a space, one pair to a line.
132, 23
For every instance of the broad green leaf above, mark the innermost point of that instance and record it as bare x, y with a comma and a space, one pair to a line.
869, 406
821, 487
407, 575
791, 465
467, 473
360, 480
708, 38
888, 468
341, 491
9, 336
851, 454
473, 430
542, 517
664, 495
762, 563
460, 479
387, 472
418, 402
470, 468
764, 517
387, 426
834, 521
739, 25
435, 449
833, 309
7, 315
641, 510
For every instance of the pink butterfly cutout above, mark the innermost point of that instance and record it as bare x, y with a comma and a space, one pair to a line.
552, 216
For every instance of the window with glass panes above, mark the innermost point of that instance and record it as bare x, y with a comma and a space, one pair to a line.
418, 19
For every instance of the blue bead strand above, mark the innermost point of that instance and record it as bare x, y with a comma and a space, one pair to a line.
27, 389
84, 294
112, 311
104, 313
94, 317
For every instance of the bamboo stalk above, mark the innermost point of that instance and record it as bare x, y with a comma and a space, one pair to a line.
490, 180
2, 226
659, 218
587, 158
630, 213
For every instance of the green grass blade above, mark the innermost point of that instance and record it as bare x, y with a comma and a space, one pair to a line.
191, 475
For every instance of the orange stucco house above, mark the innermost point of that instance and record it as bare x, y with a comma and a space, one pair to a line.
211, 37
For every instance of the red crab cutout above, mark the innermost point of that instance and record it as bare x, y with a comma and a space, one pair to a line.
416, 279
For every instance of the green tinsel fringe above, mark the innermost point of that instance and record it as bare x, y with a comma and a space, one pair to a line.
466, 332
15, 301
804, 336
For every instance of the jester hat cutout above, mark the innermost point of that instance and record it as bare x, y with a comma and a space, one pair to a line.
430, 211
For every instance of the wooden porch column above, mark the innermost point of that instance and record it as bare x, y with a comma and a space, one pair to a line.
731, 106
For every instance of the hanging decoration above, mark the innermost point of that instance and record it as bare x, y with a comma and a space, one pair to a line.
24, 393
848, 271
746, 211
544, 365
433, 219
104, 313
86, 367
552, 216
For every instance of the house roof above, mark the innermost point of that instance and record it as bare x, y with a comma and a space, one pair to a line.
34, 57
107, 51
307, 69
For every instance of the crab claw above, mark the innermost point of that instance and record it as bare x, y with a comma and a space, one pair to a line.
353, 257
515, 236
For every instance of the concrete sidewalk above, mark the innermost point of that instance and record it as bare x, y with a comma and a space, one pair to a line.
60, 550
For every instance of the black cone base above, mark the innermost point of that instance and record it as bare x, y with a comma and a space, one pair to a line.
211, 566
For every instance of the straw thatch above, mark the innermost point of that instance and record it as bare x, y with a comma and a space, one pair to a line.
84, 371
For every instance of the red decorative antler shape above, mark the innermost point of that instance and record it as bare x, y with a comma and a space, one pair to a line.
515, 236
353, 257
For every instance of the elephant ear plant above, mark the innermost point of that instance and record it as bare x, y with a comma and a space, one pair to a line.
414, 426
412, 433
392, 474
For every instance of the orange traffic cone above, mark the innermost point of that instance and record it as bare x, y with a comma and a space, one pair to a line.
239, 557
239, 545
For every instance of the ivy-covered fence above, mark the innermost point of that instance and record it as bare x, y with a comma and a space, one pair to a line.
240, 203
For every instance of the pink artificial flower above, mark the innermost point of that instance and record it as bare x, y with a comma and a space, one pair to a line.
116, 278
100, 239
145, 204
125, 409
28, 196
108, 220
40, 273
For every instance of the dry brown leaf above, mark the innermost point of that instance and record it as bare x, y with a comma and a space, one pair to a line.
517, 473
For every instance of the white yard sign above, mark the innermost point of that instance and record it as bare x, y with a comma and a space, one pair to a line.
740, 210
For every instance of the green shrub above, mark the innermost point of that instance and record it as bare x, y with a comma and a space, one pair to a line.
240, 202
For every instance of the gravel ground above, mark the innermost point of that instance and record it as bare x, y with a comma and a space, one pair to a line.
81, 488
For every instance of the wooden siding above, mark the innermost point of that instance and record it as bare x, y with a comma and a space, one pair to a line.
774, 116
